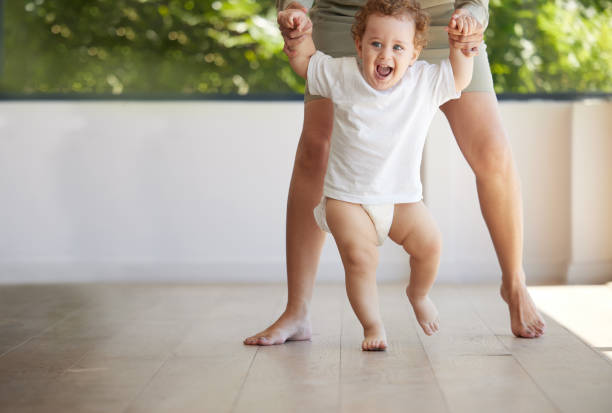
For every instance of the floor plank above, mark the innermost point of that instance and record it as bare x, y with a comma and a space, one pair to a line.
205, 371
27, 311
594, 302
104, 345
573, 376
299, 376
394, 380
178, 348
475, 370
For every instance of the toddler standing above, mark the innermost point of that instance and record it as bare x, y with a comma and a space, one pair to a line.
384, 102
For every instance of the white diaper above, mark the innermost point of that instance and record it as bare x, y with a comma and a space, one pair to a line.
381, 216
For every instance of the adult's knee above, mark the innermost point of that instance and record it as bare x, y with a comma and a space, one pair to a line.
493, 159
313, 149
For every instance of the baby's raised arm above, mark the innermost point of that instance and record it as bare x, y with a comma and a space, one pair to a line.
296, 19
463, 66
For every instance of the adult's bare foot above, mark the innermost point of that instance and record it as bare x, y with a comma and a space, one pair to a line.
289, 327
524, 318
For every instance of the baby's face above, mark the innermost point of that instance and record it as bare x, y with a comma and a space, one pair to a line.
386, 49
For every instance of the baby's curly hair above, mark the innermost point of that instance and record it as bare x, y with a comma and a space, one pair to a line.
393, 8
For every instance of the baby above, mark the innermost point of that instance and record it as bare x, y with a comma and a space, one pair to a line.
384, 102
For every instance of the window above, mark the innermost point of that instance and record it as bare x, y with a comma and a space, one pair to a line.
199, 48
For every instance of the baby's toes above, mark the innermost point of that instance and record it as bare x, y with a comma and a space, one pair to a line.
427, 329
435, 326
378, 345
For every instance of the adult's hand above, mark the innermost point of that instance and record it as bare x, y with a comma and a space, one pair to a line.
294, 35
467, 43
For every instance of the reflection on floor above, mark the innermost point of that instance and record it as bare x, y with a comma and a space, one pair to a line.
585, 310
153, 348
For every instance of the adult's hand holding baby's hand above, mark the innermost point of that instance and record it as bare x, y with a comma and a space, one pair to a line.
465, 32
294, 24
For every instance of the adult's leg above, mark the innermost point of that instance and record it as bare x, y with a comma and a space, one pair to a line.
304, 239
477, 126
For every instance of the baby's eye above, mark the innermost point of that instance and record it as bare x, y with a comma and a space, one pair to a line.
377, 44
398, 48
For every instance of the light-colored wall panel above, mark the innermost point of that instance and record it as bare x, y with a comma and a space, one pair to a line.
591, 192
539, 134
197, 191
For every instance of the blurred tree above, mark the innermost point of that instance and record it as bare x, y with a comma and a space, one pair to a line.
550, 46
139, 46
233, 46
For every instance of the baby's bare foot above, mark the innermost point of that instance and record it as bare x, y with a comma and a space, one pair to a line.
524, 318
374, 338
289, 327
426, 312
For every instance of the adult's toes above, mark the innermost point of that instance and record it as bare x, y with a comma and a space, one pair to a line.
250, 340
528, 333
264, 341
522, 332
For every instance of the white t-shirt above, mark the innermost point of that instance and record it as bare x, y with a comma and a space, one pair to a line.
378, 136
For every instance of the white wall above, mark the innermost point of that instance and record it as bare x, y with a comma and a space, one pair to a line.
591, 201
196, 191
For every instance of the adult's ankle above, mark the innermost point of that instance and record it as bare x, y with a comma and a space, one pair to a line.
514, 280
300, 310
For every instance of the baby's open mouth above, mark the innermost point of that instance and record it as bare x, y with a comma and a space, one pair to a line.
383, 70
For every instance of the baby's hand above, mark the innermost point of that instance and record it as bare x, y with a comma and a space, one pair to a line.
462, 22
293, 20
464, 32
294, 26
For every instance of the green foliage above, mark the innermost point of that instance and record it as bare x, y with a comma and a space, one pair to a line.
233, 46
144, 46
550, 46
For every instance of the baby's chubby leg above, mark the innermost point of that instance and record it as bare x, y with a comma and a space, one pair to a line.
356, 239
415, 229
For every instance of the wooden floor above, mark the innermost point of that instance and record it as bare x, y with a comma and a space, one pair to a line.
158, 348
